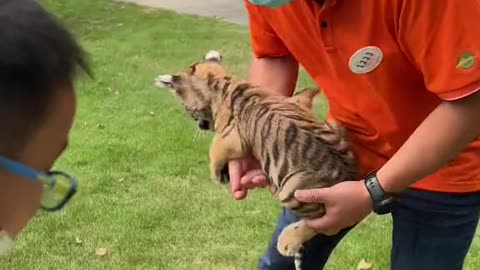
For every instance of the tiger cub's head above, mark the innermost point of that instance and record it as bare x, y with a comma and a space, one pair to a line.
192, 87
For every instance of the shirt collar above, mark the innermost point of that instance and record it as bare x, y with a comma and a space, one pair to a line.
329, 3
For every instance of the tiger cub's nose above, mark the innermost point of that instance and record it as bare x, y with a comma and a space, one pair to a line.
203, 124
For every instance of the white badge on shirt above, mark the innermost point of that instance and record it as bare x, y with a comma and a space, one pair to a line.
365, 60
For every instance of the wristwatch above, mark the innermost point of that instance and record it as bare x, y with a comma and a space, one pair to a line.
382, 202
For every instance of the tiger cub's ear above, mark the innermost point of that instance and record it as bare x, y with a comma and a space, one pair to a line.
166, 81
171, 82
213, 55
305, 96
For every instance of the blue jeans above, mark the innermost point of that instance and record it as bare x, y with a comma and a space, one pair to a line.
431, 230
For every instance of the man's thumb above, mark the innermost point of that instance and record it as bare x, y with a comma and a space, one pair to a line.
311, 195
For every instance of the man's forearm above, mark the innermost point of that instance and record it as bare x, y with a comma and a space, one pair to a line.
440, 138
277, 76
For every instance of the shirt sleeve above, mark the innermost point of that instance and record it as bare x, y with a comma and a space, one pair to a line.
265, 43
442, 38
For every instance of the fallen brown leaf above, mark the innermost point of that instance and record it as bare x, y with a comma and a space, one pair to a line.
78, 240
364, 265
101, 252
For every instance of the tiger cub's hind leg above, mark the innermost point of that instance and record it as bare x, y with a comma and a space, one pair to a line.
293, 237
223, 149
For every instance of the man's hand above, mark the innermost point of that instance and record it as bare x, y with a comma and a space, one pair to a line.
245, 174
346, 204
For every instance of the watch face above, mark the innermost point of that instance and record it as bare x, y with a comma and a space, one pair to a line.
382, 210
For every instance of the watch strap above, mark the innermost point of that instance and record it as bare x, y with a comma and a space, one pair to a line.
382, 201
374, 188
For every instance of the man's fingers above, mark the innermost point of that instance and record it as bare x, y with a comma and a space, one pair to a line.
240, 182
240, 194
259, 181
235, 172
252, 179
252, 173
312, 195
249, 164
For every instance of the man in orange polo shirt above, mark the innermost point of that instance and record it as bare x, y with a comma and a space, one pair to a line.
402, 76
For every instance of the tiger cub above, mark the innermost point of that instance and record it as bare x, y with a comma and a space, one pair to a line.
295, 151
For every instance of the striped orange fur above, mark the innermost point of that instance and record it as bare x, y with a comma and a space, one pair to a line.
295, 150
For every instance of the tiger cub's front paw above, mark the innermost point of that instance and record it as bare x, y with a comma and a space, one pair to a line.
224, 175
290, 241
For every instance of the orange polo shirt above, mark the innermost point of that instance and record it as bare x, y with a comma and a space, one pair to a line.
383, 65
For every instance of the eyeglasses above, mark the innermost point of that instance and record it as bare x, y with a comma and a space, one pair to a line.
58, 187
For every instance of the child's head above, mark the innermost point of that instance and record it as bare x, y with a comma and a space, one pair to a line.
38, 62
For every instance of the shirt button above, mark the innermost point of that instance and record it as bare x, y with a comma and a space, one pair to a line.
324, 24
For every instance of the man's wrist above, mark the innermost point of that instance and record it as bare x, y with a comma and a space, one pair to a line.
382, 201
391, 185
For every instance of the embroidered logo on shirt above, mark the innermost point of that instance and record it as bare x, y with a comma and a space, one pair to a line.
365, 60
466, 60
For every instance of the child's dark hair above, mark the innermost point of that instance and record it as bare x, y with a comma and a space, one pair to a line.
37, 56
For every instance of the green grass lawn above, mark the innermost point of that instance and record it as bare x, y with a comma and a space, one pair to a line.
145, 193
